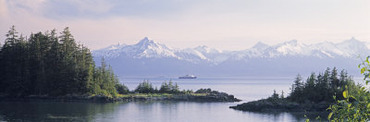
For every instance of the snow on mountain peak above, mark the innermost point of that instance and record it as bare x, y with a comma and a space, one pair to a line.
291, 42
353, 48
147, 48
352, 41
146, 42
206, 49
260, 45
292, 47
117, 46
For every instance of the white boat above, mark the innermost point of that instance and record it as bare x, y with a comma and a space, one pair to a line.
188, 77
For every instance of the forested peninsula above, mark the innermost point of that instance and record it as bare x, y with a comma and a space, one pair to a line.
51, 66
315, 94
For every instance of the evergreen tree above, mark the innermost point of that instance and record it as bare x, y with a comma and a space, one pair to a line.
275, 95
282, 95
321, 88
145, 87
297, 88
122, 89
46, 64
169, 88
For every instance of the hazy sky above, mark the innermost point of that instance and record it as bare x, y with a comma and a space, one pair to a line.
223, 24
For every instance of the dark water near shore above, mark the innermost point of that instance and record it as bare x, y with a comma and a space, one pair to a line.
246, 89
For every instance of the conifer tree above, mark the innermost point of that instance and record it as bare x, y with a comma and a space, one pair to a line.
48, 64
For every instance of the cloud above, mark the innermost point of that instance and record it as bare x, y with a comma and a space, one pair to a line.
19, 7
3, 8
98, 9
232, 24
72, 9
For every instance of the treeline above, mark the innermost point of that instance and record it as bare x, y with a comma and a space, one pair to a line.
322, 88
53, 65
166, 87
170, 87
316, 93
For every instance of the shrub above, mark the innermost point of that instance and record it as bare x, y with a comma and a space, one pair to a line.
355, 106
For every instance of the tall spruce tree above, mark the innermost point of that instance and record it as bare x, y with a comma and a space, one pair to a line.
48, 64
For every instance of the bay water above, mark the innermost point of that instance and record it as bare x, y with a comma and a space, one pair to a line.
246, 89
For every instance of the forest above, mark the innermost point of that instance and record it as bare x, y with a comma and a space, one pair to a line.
330, 92
322, 88
52, 64
316, 93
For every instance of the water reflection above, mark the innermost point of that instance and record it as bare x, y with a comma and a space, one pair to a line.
53, 111
164, 111
161, 111
291, 116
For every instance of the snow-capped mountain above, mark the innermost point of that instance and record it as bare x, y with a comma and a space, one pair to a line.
146, 48
148, 57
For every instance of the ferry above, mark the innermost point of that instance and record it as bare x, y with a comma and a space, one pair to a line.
188, 77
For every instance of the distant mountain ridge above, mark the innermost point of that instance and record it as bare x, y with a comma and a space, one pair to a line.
150, 58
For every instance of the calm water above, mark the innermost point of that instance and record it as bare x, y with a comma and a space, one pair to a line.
246, 89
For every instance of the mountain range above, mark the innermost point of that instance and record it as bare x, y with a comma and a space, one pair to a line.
150, 58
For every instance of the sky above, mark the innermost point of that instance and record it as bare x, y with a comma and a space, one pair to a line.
221, 24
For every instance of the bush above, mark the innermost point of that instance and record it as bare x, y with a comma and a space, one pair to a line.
355, 107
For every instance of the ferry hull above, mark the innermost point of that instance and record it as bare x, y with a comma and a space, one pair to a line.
187, 77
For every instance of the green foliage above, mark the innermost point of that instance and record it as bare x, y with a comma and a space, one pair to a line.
169, 88
276, 98
122, 89
104, 81
166, 88
204, 90
187, 91
282, 95
207, 91
321, 88
275, 95
145, 87
356, 103
48, 64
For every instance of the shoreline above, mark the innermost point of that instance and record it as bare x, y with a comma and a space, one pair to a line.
204, 97
280, 105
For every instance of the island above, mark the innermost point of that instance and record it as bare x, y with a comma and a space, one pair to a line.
201, 95
315, 94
